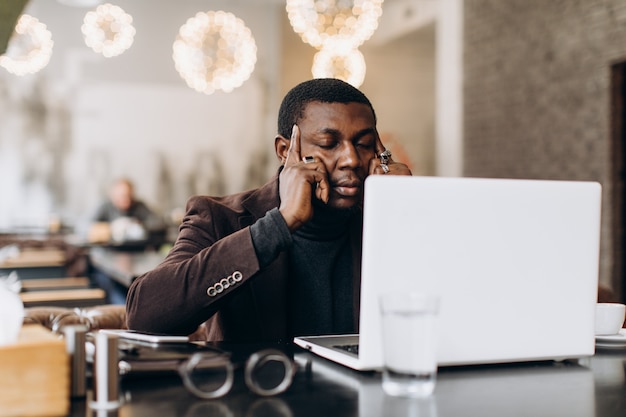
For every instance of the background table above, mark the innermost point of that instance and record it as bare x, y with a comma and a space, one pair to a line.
114, 270
124, 266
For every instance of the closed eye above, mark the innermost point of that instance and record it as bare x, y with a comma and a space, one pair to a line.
366, 139
328, 146
327, 139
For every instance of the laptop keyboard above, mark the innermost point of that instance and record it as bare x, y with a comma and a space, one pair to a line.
349, 348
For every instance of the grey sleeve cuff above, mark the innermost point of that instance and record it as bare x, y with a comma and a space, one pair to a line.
270, 236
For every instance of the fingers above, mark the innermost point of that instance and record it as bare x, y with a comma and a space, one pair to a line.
319, 178
383, 164
392, 168
398, 168
301, 183
381, 152
322, 188
379, 145
377, 166
317, 175
293, 155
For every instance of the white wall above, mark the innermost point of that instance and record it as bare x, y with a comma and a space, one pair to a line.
449, 101
82, 121
68, 130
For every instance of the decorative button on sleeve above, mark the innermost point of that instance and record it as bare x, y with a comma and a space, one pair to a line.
224, 284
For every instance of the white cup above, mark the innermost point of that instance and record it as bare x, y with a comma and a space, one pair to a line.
409, 329
609, 318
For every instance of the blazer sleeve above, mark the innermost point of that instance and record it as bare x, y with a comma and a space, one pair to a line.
212, 259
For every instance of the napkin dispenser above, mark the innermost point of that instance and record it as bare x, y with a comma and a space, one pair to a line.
35, 375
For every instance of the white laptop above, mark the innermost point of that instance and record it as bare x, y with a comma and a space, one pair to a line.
515, 263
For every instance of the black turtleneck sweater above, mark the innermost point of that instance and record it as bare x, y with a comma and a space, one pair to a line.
320, 268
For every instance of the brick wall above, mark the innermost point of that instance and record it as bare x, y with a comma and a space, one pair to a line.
537, 92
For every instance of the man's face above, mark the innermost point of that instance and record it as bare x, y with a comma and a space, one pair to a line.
122, 196
343, 137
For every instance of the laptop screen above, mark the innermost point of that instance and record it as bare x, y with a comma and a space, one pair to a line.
515, 263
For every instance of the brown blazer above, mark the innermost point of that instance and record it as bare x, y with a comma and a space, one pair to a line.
214, 246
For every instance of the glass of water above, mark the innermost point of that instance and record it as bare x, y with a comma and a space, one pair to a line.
409, 330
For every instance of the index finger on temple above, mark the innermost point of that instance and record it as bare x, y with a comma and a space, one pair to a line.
379, 146
294, 145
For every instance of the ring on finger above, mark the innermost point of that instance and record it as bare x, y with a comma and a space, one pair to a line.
308, 159
384, 156
385, 168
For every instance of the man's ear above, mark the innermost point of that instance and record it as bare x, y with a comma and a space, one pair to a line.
281, 145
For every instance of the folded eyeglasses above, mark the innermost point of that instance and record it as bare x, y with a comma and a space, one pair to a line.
207, 375
208, 372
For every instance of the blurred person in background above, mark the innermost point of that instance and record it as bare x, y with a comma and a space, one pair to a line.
123, 217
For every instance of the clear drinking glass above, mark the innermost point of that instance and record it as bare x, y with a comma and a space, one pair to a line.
409, 329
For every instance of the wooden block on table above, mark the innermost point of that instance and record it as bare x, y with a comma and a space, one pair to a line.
82, 297
33, 258
35, 375
99, 232
36, 263
38, 284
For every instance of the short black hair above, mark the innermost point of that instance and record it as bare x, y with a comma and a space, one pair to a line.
326, 90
